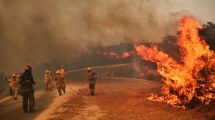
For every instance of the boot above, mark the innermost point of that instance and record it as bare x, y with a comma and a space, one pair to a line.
92, 93
32, 111
26, 111
64, 91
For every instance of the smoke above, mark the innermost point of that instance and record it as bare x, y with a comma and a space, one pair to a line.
37, 31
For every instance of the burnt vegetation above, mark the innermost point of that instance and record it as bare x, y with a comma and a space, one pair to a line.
208, 33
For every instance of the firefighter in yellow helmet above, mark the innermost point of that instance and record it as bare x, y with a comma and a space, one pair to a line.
15, 87
60, 83
11, 84
92, 81
62, 72
47, 80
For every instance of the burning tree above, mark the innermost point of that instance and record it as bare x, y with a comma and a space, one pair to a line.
194, 78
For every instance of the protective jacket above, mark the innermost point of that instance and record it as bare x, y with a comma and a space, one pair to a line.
26, 82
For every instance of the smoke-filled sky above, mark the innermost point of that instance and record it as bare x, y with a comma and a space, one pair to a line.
38, 31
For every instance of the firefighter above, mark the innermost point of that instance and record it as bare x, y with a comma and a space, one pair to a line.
47, 80
92, 81
11, 83
15, 87
62, 72
27, 90
60, 83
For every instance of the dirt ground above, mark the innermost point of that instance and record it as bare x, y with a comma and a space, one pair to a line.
116, 99
125, 99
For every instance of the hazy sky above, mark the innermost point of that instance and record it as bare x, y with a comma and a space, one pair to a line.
201, 9
38, 31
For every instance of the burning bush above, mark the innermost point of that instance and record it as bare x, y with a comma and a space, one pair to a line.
194, 78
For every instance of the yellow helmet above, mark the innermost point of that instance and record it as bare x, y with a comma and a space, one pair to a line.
58, 72
89, 68
14, 75
47, 71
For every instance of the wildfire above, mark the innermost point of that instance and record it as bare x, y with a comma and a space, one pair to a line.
192, 79
114, 54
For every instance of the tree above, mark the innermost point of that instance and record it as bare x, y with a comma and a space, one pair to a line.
208, 32
169, 46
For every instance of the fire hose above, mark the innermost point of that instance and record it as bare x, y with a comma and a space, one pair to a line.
69, 85
66, 81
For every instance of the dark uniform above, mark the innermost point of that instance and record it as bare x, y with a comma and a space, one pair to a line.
27, 91
92, 81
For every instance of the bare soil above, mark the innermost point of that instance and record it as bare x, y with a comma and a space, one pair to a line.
125, 99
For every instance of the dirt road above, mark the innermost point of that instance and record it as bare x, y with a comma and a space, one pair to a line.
12, 110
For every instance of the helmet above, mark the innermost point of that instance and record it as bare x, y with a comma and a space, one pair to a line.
89, 68
57, 72
28, 68
47, 72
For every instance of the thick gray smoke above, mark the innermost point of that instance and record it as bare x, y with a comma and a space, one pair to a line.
38, 31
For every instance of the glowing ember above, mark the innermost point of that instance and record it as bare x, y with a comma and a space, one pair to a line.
125, 55
114, 54
195, 77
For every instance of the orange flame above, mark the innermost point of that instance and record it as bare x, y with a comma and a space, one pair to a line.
125, 55
114, 54
182, 80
